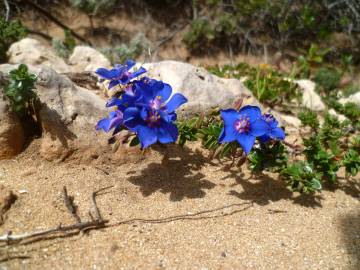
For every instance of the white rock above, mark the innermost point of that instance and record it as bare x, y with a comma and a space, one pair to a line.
202, 89
85, 58
31, 52
310, 98
355, 98
339, 116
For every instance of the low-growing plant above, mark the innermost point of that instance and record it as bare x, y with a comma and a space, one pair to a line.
20, 90
327, 78
64, 48
268, 86
134, 49
10, 32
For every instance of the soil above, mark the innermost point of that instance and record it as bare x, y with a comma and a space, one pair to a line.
177, 210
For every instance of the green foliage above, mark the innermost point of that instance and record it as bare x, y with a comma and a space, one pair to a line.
321, 160
309, 118
269, 157
20, 89
351, 162
122, 52
188, 130
217, 22
269, 86
327, 78
350, 110
10, 32
94, 7
315, 56
301, 177
64, 48
200, 35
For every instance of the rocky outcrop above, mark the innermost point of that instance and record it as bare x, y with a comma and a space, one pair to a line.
32, 52
11, 131
355, 98
85, 58
202, 89
310, 98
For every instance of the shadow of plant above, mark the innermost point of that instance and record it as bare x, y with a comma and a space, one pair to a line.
350, 226
177, 174
263, 190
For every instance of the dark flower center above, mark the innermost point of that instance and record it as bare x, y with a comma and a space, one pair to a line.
242, 124
153, 118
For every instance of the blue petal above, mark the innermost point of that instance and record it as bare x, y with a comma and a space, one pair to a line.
167, 132
138, 72
277, 133
130, 63
108, 74
113, 102
229, 116
165, 92
246, 141
103, 124
259, 127
147, 136
221, 136
264, 138
115, 122
175, 102
113, 83
253, 112
132, 118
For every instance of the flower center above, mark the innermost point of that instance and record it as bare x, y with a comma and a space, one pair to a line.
242, 124
153, 118
156, 103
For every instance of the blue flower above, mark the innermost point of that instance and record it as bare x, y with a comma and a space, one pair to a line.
273, 132
153, 115
120, 74
243, 126
154, 95
115, 119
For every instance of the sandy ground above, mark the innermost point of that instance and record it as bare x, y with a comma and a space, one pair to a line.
184, 212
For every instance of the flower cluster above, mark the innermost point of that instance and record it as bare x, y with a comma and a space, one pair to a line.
247, 124
143, 105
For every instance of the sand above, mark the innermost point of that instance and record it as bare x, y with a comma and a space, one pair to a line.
184, 212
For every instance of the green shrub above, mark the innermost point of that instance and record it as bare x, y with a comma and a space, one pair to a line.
327, 78
10, 32
132, 50
20, 90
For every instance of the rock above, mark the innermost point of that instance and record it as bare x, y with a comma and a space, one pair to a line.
339, 116
310, 99
355, 98
85, 58
68, 116
7, 198
203, 90
31, 52
11, 132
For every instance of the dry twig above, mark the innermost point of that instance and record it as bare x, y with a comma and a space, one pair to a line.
95, 223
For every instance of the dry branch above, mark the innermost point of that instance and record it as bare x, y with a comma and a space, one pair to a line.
95, 223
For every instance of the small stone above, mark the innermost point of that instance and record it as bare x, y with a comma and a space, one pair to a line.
7, 198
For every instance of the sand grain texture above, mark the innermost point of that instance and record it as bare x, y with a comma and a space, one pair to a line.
181, 212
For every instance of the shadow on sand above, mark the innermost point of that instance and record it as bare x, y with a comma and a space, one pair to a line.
178, 174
